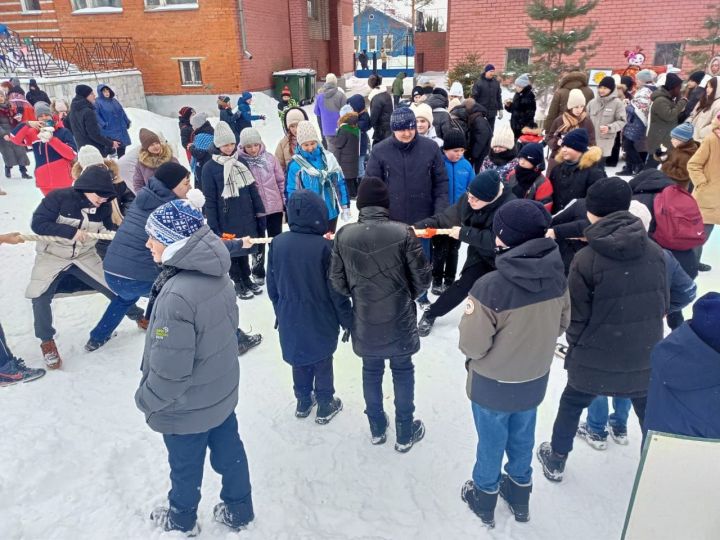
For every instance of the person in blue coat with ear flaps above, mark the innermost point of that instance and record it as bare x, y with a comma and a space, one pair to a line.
309, 311
113, 121
243, 118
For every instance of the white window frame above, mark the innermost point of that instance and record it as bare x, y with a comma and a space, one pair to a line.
164, 6
312, 9
373, 40
26, 9
357, 44
384, 42
192, 83
93, 9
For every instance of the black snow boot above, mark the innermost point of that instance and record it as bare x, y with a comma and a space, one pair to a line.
408, 433
327, 411
8, 172
247, 341
480, 502
553, 463
24, 174
242, 292
378, 430
437, 287
517, 496
425, 325
304, 406
253, 287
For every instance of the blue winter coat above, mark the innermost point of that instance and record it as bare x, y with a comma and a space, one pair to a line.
329, 189
460, 175
309, 312
111, 116
127, 255
684, 393
243, 117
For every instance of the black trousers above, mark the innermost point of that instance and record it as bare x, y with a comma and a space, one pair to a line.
445, 259
458, 291
333, 224
491, 120
634, 160
273, 228
612, 160
352, 185
572, 403
240, 270
316, 377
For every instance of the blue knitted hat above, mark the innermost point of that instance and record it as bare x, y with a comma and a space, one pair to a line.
577, 139
402, 118
174, 221
682, 132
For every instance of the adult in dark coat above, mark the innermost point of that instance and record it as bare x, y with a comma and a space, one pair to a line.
486, 92
667, 106
694, 92
522, 107
380, 264
567, 227
472, 118
112, 119
684, 393
381, 108
82, 121
438, 102
34, 94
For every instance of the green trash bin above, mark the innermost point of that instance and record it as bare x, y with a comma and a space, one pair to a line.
310, 83
295, 80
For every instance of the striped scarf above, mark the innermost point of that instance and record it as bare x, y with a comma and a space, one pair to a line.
235, 175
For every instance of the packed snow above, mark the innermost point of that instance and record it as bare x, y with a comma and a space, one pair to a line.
80, 463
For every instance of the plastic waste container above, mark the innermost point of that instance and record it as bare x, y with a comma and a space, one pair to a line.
295, 80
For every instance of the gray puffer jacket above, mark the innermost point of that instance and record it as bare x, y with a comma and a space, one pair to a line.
190, 370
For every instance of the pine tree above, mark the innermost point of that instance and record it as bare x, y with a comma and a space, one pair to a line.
556, 41
709, 46
467, 71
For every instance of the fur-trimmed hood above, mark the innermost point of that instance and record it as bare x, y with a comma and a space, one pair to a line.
111, 164
527, 130
574, 79
153, 161
589, 159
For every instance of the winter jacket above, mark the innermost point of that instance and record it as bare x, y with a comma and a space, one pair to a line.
432, 135
540, 189
702, 120
682, 287
471, 118
684, 392
127, 255
186, 131
111, 116
693, 100
61, 213
460, 174
441, 117
12, 154
286, 147
34, 94
381, 265
569, 225
704, 170
364, 125
83, 122
201, 149
607, 111
572, 180
148, 163
487, 93
227, 116
558, 105
53, 160
325, 177
664, 116
503, 162
381, 108
347, 149
556, 132
522, 110
675, 166
415, 175
397, 85
233, 215
190, 370
309, 311
475, 227
243, 117
513, 317
269, 178
327, 109
619, 293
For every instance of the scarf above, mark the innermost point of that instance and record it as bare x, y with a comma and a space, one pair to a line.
235, 175
502, 158
525, 178
570, 121
164, 276
292, 140
260, 161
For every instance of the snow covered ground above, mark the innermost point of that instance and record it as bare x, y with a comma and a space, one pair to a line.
80, 463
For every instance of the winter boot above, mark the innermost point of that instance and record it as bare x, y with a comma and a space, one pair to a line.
327, 411
242, 292
162, 519
597, 440
8, 172
223, 515
143, 323
94, 345
247, 341
480, 502
437, 287
15, 371
553, 463
24, 174
254, 288
378, 430
625, 171
425, 325
304, 406
259, 281
408, 433
561, 351
51, 356
423, 302
137, 314
702, 267
517, 496
618, 434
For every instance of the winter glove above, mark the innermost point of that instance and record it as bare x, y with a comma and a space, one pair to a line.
346, 215
45, 134
346, 336
276, 324
500, 115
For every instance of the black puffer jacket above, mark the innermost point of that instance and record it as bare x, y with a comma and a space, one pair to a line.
569, 225
472, 118
619, 293
441, 117
522, 110
486, 92
475, 227
83, 123
572, 180
380, 263
381, 108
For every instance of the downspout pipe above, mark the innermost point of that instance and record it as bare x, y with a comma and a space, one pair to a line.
243, 35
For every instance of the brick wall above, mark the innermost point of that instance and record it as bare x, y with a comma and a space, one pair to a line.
40, 24
488, 27
433, 47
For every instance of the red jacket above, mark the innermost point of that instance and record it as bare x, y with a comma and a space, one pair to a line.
541, 190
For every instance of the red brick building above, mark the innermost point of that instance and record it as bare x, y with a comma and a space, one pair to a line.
497, 30
197, 46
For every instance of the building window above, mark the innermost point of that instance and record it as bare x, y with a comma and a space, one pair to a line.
30, 5
78, 5
357, 44
372, 43
312, 8
388, 42
190, 74
170, 4
668, 53
517, 57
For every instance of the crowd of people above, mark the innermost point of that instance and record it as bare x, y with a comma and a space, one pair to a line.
553, 247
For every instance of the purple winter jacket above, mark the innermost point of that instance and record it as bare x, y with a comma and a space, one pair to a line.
327, 109
269, 178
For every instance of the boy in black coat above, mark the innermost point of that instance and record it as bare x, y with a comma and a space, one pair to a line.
619, 295
309, 312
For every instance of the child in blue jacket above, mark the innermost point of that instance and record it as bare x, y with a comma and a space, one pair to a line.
460, 173
243, 117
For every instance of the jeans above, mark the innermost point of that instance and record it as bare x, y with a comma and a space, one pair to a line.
403, 375
708, 230
598, 418
502, 433
186, 455
396, 99
444, 259
5, 354
128, 289
273, 228
426, 245
458, 291
114, 313
319, 373
572, 403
